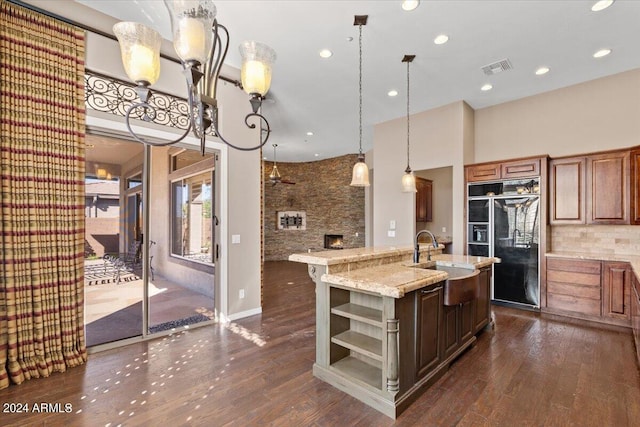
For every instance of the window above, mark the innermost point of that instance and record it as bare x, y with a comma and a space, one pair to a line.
192, 217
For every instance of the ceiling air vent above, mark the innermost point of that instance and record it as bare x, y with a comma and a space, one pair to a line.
497, 67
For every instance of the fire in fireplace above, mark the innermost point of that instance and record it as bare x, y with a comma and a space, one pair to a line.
333, 241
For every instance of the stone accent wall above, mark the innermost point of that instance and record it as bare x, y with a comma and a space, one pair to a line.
322, 191
596, 239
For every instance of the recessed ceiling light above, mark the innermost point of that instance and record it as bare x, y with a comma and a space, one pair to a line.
601, 5
486, 87
601, 53
542, 70
410, 5
441, 39
392, 93
325, 53
309, 133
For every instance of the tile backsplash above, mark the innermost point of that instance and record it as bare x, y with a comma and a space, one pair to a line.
600, 239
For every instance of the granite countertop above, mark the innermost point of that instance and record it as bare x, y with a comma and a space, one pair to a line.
332, 257
634, 260
396, 279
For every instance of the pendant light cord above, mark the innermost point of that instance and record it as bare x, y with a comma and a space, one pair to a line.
408, 167
360, 87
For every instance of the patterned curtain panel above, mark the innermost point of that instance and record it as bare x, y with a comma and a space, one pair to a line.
42, 195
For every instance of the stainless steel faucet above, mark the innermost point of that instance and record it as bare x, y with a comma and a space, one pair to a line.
416, 250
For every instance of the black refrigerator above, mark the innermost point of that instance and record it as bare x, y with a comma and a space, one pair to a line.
503, 220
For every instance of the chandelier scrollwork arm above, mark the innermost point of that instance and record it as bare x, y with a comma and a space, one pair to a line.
148, 115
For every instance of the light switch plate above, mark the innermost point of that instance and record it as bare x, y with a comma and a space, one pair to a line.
392, 224
235, 238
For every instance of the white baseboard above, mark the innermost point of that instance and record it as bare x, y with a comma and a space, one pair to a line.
243, 314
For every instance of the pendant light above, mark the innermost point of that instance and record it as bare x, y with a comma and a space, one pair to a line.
274, 176
408, 179
360, 177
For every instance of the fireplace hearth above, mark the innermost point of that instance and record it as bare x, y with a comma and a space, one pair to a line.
333, 241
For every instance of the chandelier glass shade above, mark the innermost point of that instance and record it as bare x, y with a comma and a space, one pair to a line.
201, 43
140, 51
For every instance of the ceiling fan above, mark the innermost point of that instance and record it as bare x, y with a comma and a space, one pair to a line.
274, 176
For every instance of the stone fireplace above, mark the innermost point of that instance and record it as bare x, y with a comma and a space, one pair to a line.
333, 241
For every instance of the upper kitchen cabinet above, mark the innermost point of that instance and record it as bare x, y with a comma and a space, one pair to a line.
424, 200
635, 186
608, 180
592, 189
522, 168
567, 190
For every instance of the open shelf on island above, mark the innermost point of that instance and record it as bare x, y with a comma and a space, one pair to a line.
360, 343
359, 370
360, 313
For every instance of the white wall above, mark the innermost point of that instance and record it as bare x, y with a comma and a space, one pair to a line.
598, 115
439, 138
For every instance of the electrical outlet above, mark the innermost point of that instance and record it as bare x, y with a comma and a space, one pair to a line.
444, 229
241, 293
235, 239
357, 234
391, 233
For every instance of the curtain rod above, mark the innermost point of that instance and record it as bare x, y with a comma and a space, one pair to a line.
33, 8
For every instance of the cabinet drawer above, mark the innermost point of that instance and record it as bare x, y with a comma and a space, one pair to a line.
486, 172
571, 289
576, 279
520, 169
574, 265
574, 304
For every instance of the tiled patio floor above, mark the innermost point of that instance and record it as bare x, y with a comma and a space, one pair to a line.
113, 311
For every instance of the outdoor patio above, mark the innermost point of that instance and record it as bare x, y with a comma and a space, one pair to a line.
113, 309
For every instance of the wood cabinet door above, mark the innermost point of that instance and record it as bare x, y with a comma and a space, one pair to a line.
520, 168
567, 191
450, 330
608, 188
483, 172
467, 318
635, 187
483, 304
635, 313
616, 290
424, 202
428, 324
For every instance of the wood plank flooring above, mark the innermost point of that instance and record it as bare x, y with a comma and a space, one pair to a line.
529, 371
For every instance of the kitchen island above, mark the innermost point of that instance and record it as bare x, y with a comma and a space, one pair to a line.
387, 328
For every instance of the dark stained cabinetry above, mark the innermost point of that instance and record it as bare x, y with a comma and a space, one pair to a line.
482, 307
573, 286
590, 289
424, 200
616, 290
428, 325
593, 189
635, 313
608, 181
567, 190
635, 187
505, 170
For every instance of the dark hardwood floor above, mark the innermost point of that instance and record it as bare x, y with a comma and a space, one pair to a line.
257, 371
